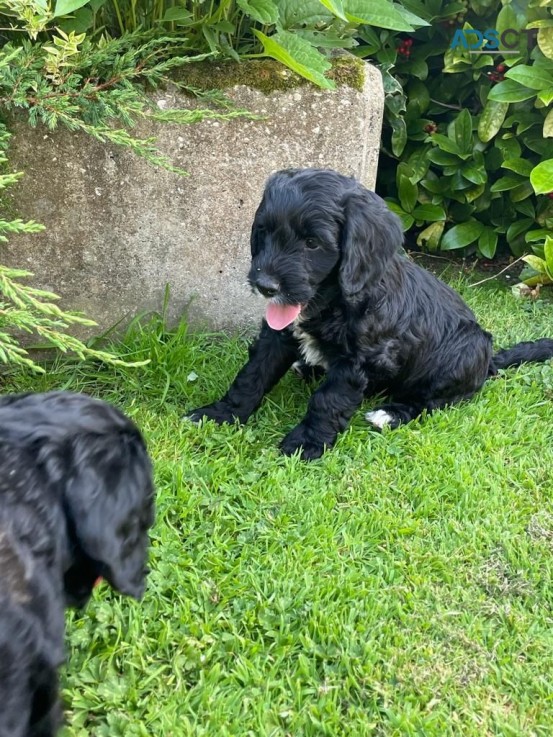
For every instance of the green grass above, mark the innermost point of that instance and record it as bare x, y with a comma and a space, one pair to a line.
402, 585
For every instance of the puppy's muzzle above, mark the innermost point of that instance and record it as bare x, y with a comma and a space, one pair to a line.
266, 285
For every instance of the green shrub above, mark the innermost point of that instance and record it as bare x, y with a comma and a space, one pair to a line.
467, 161
291, 31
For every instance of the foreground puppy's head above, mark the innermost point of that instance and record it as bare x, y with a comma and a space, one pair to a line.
313, 224
108, 503
96, 460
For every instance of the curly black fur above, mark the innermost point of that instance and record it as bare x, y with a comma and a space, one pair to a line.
76, 503
370, 317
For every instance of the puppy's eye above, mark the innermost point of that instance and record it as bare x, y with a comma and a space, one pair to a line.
311, 243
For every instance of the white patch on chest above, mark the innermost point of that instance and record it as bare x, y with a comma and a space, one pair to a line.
309, 348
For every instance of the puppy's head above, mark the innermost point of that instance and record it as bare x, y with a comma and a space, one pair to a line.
109, 507
96, 460
316, 227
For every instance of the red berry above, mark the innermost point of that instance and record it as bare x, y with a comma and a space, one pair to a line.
501, 67
409, 42
550, 195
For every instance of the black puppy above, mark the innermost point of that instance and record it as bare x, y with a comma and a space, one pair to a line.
76, 503
326, 253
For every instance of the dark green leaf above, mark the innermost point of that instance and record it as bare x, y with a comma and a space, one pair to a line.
407, 193
399, 136
462, 131
534, 77
475, 174
64, 7
429, 213
526, 207
442, 158
432, 185
446, 144
487, 243
534, 236
520, 166
407, 220
522, 192
419, 163
510, 91
517, 230
505, 183
509, 147
538, 144
491, 119
79, 22
462, 235
418, 68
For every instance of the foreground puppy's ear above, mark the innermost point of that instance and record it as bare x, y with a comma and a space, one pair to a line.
371, 234
256, 237
109, 497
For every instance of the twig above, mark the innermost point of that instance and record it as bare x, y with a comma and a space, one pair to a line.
489, 278
444, 104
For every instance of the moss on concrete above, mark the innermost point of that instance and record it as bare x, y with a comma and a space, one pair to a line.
265, 75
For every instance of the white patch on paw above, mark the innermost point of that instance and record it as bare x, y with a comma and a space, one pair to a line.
296, 368
379, 418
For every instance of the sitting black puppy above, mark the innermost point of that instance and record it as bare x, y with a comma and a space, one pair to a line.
326, 253
76, 503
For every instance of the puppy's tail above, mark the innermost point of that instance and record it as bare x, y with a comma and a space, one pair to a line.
529, 351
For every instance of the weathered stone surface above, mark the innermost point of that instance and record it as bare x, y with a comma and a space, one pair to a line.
118, 230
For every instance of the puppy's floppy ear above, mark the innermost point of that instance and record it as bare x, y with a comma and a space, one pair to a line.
274, 184
256, 237
371, 234
109, 499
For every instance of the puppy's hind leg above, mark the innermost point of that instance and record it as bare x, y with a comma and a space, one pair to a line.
394, 414
457, 375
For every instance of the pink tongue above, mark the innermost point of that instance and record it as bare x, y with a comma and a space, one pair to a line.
279, 316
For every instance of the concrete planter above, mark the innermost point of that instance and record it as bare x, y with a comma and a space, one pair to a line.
118, 230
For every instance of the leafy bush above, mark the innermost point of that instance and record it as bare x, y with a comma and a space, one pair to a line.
94, 88
466, 135
290, 31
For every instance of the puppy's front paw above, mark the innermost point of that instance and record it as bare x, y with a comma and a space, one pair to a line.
300, 439
218, 412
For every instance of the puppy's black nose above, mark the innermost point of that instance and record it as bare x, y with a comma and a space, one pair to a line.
266, 285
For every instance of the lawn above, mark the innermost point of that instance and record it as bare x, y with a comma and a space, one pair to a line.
402, 585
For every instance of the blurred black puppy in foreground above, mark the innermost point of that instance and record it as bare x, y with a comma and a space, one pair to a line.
76, 503
326, 253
